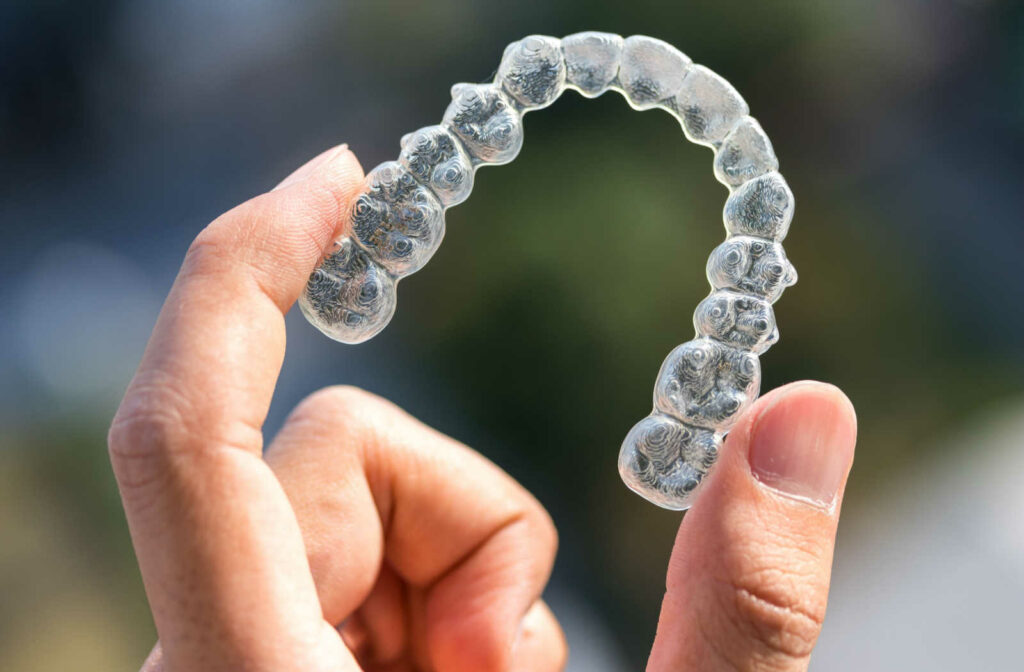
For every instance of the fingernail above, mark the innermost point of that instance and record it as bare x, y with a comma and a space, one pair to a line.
310, 167
802, 444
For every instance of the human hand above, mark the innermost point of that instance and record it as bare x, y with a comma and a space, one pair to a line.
365, 540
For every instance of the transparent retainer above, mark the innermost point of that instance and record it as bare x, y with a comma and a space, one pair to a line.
397, 224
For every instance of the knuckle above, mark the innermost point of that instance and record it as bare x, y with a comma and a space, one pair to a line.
216, 244
210, 242
776, 611
241, 228
157, 424
138, 441
347, 410
544, 526
344, 396
351, 406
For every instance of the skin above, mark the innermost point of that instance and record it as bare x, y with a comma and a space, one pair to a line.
364, 540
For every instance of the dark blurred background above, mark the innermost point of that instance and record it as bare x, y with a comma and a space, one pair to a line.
536, 332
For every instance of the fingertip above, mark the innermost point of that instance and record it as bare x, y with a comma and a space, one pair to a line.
342, 167
840, 397
806, 397
318, 195
313, 165
324, 197
815, 388
801, 442
806, 387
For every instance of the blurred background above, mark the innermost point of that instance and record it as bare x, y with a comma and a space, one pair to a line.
536, 333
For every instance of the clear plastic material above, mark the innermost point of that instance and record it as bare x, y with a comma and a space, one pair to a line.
397, 224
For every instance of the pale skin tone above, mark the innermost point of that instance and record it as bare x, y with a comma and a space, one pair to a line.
364, 540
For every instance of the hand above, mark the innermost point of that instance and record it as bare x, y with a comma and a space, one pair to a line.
364, 540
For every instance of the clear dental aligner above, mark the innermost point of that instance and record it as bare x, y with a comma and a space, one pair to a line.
397, 224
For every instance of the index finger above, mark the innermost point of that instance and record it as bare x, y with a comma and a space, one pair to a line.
216, 351
216, 539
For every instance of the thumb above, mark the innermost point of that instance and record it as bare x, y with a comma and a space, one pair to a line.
748, 579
